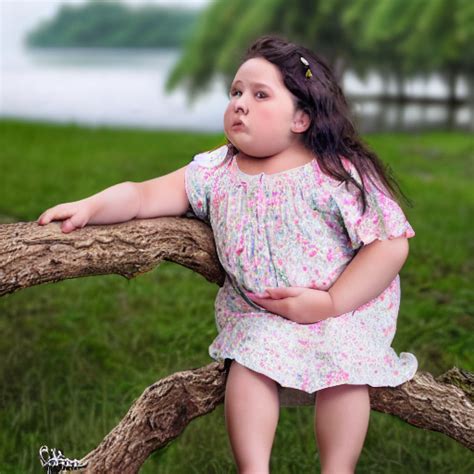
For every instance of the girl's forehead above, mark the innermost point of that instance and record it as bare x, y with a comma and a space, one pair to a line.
259, 70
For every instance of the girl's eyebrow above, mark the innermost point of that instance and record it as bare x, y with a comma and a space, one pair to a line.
258, 84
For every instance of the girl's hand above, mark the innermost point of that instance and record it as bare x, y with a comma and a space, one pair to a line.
299, 304
74, 214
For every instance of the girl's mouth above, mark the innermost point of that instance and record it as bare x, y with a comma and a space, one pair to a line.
238, 125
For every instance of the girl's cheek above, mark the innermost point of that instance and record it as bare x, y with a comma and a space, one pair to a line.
271, 114
267, 113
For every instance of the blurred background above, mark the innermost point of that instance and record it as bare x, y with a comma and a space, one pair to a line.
166, 64
93, 93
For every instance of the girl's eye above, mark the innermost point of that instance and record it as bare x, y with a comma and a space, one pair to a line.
259, 94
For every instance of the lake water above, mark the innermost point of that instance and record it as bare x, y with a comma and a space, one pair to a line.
125, 87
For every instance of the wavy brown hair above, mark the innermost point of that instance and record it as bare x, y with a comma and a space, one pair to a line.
331, 134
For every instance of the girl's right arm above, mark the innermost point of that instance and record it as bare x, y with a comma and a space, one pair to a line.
158, 197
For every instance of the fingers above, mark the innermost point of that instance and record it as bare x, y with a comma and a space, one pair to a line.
73, 216
76, 221
265, 294
285, 291
59, 212
276, 306
278, 293
67, 226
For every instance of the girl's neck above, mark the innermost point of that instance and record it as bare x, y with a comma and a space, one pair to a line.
292, 157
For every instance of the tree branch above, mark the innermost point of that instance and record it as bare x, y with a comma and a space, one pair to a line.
164, 410
32, 255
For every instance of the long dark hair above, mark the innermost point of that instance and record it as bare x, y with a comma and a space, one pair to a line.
331, 135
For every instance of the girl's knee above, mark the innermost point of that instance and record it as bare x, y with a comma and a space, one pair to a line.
344, 400
344, 390
244, 371
243, 379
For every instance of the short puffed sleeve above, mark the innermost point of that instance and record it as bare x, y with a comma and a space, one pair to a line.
383, 218
200, 178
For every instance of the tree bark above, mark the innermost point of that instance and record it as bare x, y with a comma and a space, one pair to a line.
165, 409
33, 255
157, 417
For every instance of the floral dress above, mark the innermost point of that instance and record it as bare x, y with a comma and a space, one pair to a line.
298, 227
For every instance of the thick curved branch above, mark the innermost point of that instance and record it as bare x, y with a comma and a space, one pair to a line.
32, 255
157, 417
165, 409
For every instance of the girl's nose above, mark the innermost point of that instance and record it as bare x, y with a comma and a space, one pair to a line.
239, 104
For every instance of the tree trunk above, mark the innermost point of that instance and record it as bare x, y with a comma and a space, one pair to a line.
451, 100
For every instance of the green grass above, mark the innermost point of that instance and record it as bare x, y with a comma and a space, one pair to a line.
74, 355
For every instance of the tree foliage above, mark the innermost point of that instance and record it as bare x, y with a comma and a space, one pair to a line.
399, 37
111, 24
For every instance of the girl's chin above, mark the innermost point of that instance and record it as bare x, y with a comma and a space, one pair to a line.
246, 148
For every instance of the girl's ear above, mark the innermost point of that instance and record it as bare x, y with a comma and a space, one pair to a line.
301, 121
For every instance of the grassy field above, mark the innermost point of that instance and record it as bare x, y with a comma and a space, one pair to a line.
74, 355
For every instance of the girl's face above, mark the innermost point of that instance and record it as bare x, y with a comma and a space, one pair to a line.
261, 119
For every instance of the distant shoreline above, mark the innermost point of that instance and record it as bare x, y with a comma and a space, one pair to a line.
112, 25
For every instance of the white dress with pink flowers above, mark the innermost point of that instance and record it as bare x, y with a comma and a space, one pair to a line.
299, 227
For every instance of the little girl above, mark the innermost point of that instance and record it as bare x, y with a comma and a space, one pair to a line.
311, 237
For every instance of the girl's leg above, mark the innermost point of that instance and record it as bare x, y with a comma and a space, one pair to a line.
252, 408
341, 421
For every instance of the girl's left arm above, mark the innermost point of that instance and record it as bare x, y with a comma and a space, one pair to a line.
369, 273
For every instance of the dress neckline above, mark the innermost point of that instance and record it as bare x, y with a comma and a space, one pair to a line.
296, 169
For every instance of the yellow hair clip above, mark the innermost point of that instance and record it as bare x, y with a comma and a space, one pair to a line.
308, 73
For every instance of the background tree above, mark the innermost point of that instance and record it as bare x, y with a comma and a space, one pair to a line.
400, 38
226, 29
111, 24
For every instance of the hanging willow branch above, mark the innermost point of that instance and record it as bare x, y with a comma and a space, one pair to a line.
32, 255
